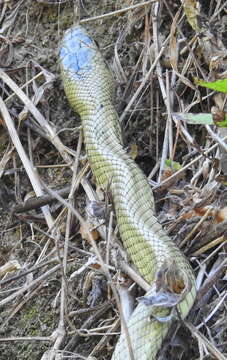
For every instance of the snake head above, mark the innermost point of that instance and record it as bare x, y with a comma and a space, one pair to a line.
77, 51
87, 80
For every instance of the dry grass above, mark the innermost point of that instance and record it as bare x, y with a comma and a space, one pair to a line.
58, 273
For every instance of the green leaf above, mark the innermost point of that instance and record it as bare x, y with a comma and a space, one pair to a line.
218, 85
200, 119
222, 123
195, 119
173, 164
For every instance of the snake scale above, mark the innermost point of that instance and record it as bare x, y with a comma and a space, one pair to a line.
89, 87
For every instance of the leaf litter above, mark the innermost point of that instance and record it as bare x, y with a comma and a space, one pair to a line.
58, 282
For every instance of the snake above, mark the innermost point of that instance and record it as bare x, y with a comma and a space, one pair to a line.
90, 87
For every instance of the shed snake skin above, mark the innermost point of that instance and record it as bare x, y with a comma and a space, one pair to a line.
89, 87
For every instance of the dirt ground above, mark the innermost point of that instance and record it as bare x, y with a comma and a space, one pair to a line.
55, 301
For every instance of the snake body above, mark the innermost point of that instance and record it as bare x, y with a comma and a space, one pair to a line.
89, 88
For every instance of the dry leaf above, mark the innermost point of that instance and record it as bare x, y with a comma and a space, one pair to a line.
171, 279
133, 151
9, 267
94, 233
191, 10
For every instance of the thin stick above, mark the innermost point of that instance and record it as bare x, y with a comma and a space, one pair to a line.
103, 265
117, 12
216, 138
200, 337
33, 176
37, 202
205, 216
145, 79
210, 245
187, 166
27, 338
29, 286
51, 134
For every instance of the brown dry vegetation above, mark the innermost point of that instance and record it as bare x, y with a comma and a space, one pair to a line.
54, 297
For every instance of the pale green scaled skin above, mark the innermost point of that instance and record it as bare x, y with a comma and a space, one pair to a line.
89, 88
